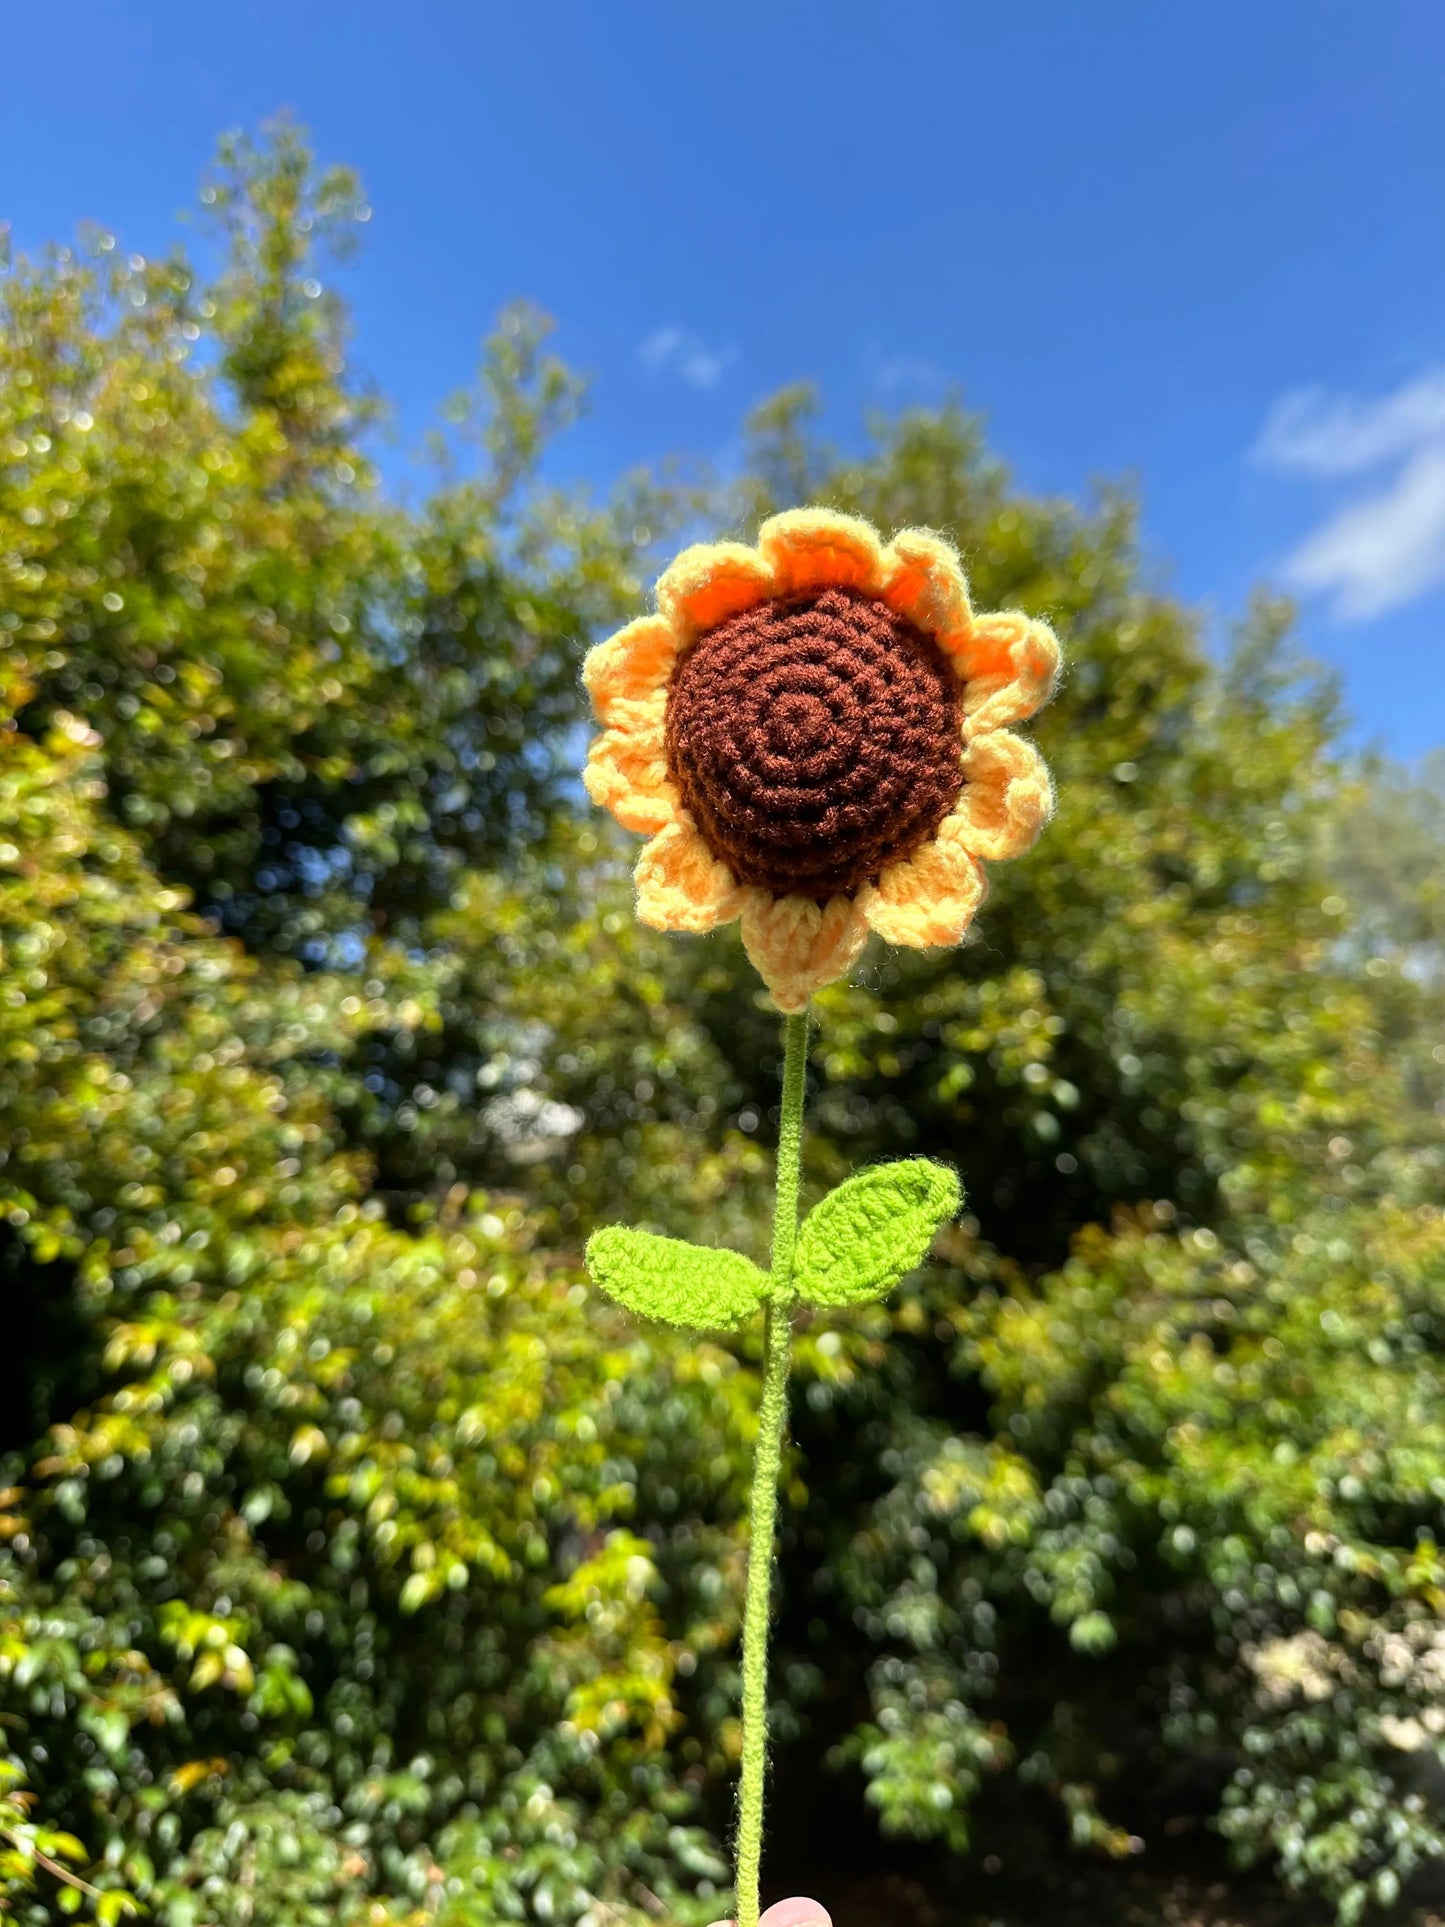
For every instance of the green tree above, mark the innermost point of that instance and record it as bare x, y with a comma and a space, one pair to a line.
319, 1582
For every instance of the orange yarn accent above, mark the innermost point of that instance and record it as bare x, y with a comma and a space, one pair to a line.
924, 581
1004, 667
1010, 664
627, 773
816, 549
681, 885
631, 666
796, 946
1007, 798
929, 899
710, 582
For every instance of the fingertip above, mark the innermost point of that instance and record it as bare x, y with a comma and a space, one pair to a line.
797, 1912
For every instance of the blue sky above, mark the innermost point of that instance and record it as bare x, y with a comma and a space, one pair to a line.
1202, 248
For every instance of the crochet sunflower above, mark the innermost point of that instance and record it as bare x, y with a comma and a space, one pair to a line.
816, 736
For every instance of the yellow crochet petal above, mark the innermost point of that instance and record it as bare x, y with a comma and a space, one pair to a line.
820, 549
626, 773
680, 883
1007, 798
796, 946
924, 581
1010, 664
630, 669
929, 898
710, 582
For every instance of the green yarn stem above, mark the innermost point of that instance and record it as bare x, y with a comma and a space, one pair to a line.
767, 1463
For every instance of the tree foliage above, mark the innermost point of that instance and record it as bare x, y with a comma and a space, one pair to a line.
357, 1562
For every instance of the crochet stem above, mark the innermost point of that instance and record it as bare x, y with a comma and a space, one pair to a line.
767, 1462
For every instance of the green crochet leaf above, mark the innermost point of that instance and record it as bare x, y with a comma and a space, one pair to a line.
669, 1279
873, 1230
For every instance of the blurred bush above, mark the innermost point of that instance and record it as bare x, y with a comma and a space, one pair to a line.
358, 1564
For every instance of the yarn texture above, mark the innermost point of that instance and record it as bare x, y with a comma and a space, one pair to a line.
814, 739
866, 1236
857, 1244
815, 734
667, 1278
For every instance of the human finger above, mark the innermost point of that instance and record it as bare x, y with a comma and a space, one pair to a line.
797, 1912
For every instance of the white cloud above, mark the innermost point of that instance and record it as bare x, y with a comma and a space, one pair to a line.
1383, 551
1386, 546
659, 348
909, 373
1314, 433
674, 351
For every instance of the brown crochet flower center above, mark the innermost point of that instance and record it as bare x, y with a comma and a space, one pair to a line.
814, 739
